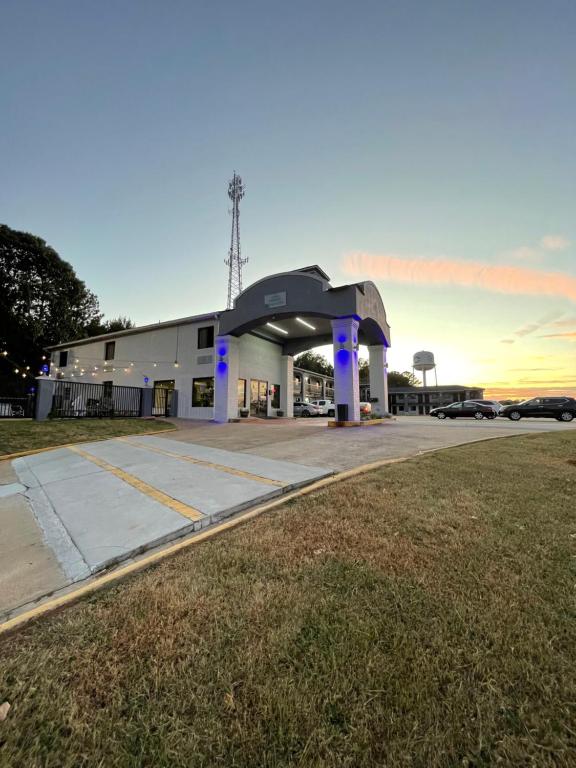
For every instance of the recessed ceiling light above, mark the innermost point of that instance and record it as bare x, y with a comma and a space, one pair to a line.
303, 322
275, 327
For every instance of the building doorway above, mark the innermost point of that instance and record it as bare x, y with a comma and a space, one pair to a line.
258, 398
162, 398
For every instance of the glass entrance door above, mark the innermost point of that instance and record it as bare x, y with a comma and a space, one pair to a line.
258, 398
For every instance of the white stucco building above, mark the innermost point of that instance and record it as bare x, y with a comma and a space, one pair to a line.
217, 363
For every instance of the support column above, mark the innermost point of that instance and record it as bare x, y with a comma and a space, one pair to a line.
346, 381
44, 395
378, 378
287, 385
226, 369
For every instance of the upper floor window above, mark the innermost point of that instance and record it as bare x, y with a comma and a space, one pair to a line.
109, 350
63, 359
206, 337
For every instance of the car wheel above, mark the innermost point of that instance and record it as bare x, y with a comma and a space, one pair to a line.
566, 416
331, 413
478, 415
515, 415
441, 415
305, 413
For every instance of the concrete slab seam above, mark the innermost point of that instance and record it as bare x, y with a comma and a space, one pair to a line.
55, 534
11, 489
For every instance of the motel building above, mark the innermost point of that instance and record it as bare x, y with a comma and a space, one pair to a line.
213, 365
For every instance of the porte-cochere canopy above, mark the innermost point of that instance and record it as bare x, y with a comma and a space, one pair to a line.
299, 310
296, 308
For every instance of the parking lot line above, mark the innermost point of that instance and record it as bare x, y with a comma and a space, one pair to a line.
204, 463
183, 509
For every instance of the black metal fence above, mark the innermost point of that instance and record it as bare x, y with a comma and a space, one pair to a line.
75, 399
17, 407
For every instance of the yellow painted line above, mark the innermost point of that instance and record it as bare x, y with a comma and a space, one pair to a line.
178, 506
205, 463
9, 456
100, 582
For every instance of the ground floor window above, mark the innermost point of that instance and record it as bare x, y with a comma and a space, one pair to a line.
241, 393
203, 392
276, 396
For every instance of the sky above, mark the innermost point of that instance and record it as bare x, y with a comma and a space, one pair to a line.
428, 146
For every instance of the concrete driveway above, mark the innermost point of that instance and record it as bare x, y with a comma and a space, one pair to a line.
308, 441
71, 512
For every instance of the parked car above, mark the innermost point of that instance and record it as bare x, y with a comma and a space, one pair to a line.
466, 409
365, 409
327, 407
306, 409
561, 408
494, 403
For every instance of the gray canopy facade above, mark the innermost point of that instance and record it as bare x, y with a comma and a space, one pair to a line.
298, 310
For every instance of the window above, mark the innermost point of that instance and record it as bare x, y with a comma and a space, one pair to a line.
241, 393
206, 337
203, 392
63, 359
109, 350
275, 396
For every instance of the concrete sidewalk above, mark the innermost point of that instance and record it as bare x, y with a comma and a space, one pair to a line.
81, 509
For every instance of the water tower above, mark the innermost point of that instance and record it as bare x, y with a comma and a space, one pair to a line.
424, 361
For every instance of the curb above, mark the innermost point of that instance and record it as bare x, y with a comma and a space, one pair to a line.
9, 456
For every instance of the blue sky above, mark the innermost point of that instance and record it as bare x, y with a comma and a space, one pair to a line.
420, 129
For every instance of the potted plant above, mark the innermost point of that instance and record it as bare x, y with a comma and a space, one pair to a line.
244, 412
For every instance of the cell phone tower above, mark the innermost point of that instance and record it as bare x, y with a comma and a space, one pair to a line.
235, 262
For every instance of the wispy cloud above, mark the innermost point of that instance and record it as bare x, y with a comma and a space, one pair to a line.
566, 322
565, 335
508, 341
548, 243
555, 243
537, 325
470, 274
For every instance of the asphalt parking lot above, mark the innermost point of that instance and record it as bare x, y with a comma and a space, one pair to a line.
71, 512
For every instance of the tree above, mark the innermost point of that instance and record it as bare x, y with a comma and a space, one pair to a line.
406, 379
110, 326
395, 379
313, 361
42, 301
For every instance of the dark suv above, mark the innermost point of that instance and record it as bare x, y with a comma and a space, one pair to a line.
561, 408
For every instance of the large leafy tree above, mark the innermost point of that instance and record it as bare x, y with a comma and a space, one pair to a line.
110, 326
42, 301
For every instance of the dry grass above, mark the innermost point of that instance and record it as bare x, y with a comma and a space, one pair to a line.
421, 615
29, 435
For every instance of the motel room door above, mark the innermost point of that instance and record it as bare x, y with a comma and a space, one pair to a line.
258, 398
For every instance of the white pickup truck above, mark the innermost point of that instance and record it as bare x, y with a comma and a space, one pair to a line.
327, 407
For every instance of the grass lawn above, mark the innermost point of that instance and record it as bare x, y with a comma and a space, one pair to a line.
24, 435
420, 615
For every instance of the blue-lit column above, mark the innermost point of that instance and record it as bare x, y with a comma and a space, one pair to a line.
226, 368
378, 378
346, 382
